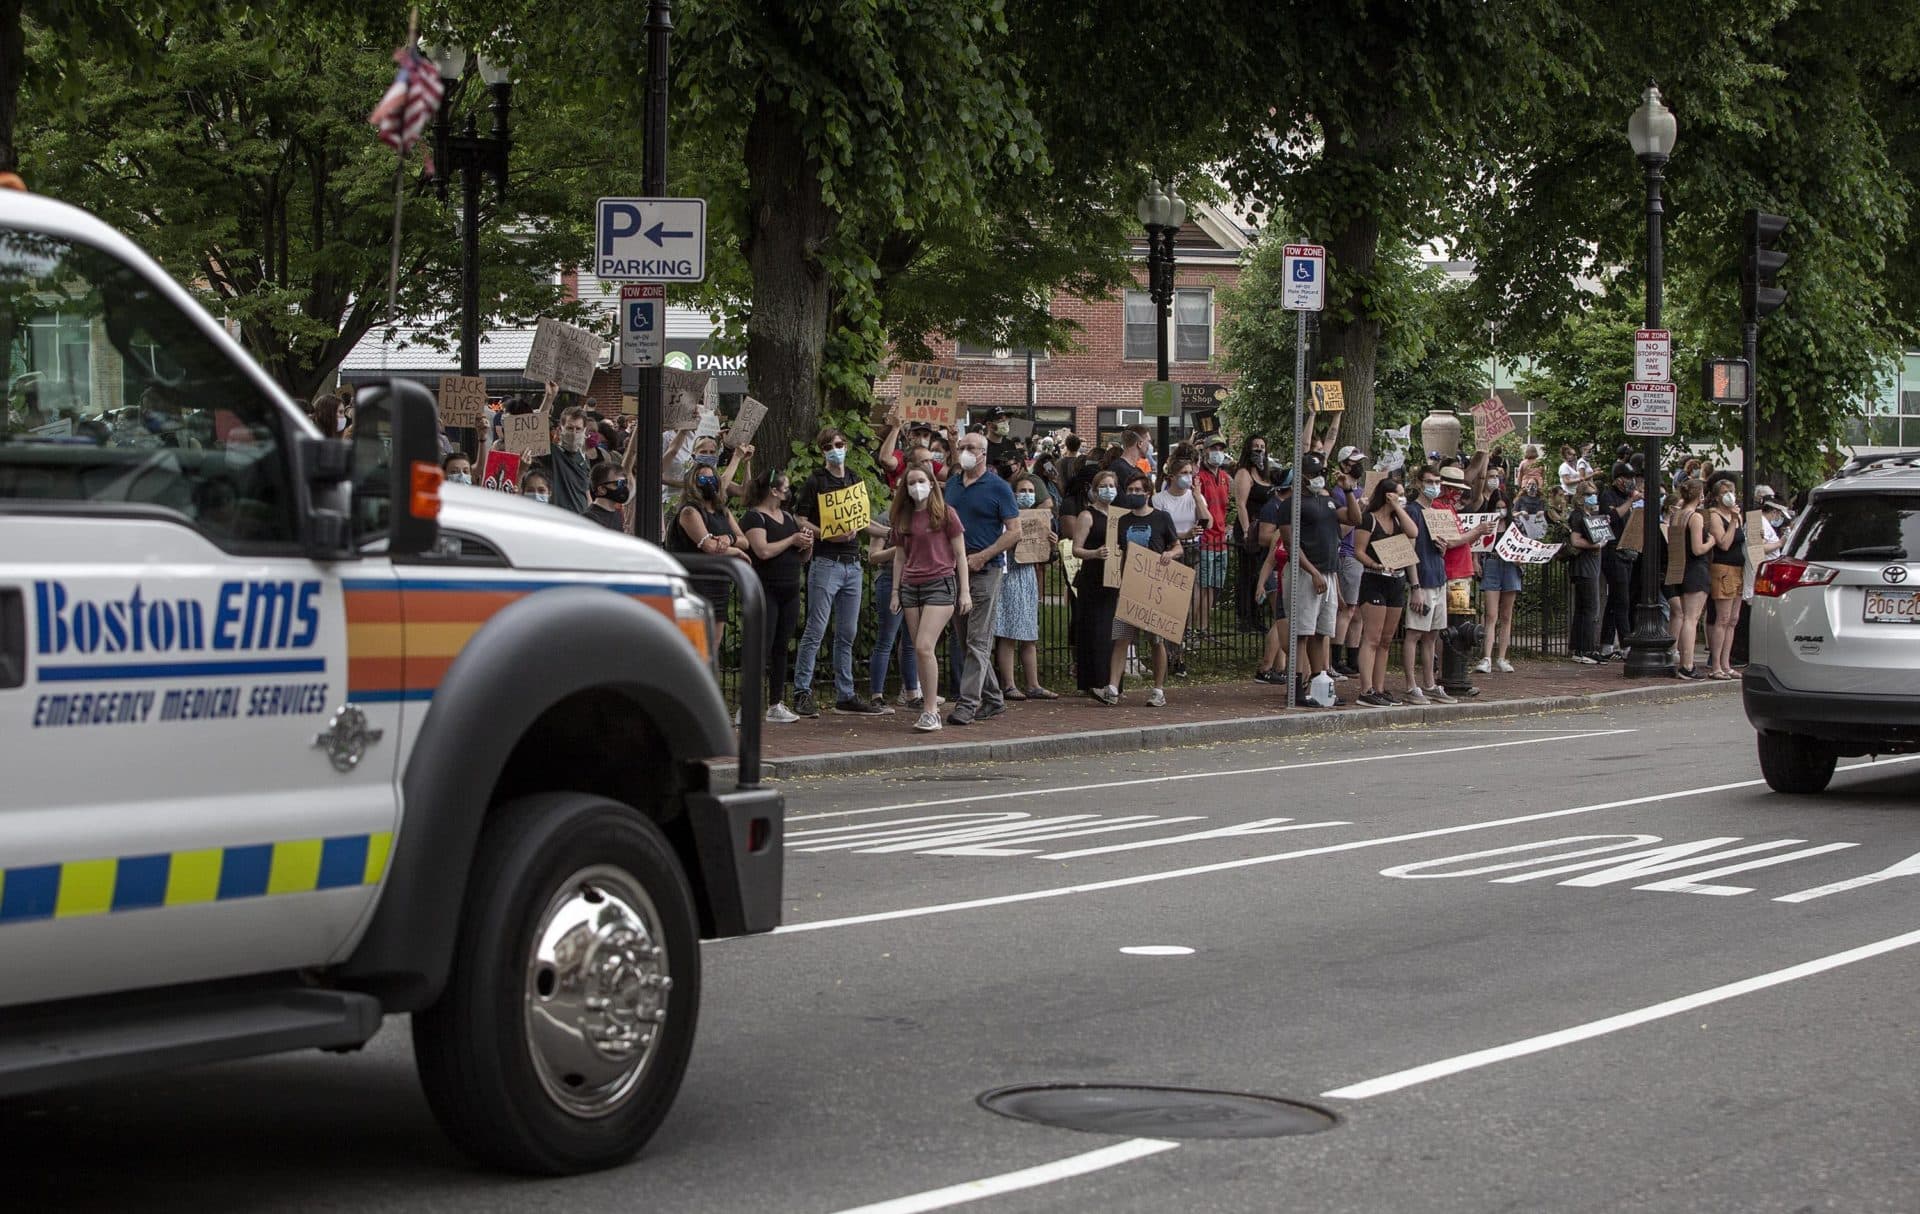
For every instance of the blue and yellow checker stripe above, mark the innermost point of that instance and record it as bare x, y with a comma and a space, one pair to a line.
78, 888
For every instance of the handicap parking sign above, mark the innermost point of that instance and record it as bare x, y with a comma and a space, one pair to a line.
1303, 271
640, 318
1305, 287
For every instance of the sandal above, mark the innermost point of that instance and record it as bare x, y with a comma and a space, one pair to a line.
1041, 693
1011, 694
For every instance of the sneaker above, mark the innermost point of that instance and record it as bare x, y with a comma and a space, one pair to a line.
1157, 698
1439, 695
989, 711
780, 714
879, 702
1483, 666
803, 704
1503, 666
1106, 695
1339, 675
1374, 699
960, 716
857, 707
1413, 695
908, 699
1584, 659
1270, 676
928, 722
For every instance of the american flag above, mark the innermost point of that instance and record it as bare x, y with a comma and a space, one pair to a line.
410, 102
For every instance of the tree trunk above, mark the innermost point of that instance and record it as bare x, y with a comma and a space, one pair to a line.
1350, 343
13, 69
787, 329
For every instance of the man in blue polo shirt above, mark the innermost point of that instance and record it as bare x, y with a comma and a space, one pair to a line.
985, 506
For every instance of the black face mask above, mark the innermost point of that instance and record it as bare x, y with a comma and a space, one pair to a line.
1130, 501
617, 493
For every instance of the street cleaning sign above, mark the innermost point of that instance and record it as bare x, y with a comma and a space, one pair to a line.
650, 239
1305, 286
1651, 409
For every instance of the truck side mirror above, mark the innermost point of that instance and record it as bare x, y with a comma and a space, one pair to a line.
396, 467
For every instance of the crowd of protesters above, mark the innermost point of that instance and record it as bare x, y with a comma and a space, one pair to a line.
939, 553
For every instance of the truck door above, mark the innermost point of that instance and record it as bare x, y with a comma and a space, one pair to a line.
188, 791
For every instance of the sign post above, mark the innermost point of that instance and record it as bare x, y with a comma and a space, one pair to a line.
1304, 291
643, 324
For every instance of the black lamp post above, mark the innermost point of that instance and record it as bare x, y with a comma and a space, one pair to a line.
1162, 212
1651, 131
471, 155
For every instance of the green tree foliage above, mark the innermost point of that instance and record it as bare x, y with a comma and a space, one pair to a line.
244, 163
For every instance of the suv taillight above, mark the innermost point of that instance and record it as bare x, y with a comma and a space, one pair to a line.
1785, 573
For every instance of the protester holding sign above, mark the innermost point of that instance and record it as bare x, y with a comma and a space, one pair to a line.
931, 580
1016, 626
834, 581
1383, 582
1427, 598
991, 519
703, 524
1500, 582
569, 461
1587, 534
1620, 502
1152, 530
780, 546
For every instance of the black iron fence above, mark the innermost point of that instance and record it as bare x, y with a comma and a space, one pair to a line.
1220, 645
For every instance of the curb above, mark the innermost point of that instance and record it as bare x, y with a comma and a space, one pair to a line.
1234, 729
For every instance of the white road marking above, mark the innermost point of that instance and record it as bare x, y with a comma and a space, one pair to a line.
1205, 775
1250, 861
1025, 1178
1157, 950
1596, 1028
1905, 868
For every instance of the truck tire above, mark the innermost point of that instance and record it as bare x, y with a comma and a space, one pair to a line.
1795, 764
565, 1027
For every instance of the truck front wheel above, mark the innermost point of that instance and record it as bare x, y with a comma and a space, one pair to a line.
1795, 764
568, 1017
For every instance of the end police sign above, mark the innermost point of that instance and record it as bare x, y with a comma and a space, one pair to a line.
650, 239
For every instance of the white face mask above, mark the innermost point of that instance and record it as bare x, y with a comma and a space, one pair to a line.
919, 490
1216, 458
1183, 481
460, 478
969, 461
1493, 482
540, 497
1728, 500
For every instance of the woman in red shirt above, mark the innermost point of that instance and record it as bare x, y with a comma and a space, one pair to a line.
929, 577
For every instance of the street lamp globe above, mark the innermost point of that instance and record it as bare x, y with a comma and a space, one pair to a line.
449, 57
1152, 206
494, 73
1176, 210
1652, 129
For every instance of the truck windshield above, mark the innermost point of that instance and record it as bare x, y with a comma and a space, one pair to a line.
113, 395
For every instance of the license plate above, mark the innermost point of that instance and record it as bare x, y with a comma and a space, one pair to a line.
1892, 607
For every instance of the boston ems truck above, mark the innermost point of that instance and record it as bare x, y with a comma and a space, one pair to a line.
293, 738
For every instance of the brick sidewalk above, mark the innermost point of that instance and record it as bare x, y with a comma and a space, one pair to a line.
831, 733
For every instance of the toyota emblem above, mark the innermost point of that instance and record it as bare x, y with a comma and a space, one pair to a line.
1894, 573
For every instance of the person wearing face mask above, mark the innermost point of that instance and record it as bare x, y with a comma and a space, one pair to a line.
1726, 527
1383, 590
1214, 483
1348, 478
457, 468
1619, 564
535, 487
1188, 510
779, 545
1016, 626
1587, 534
1094, 601
1252, 486
1426, 616
991, 521
930, 578
1142, 527
568, 456
1500, 578
611, 492
702, 524
1315, 600
834, 585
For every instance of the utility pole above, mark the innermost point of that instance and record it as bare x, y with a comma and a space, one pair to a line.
646, 432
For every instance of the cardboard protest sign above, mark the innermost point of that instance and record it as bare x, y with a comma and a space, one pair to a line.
1486, 542
1393, 551
1019, 427
746, 423
1329, 396
845, 510
1600, 528
1443, 525
1373, 478
1110, 572
686, 392
1634, 535
929, 393
630, 406
1069, 564
463, 401
526, 433
1155, 595
1036, 538
1514, 546
502, 471
563, 354
1491, 422
1756, 550
1676, 551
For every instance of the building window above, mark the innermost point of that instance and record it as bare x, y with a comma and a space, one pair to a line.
1192, 326
1012, 354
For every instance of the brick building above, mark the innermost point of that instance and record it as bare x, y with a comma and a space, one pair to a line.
1096, 388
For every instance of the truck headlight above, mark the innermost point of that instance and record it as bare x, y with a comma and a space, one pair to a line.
694, 616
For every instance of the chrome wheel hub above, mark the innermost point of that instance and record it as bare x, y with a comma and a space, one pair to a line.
596, 990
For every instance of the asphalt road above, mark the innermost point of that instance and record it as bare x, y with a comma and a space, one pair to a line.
1385, 925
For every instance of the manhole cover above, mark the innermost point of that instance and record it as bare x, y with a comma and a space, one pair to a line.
1156, 1112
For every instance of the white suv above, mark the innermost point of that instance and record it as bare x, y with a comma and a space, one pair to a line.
1835, 637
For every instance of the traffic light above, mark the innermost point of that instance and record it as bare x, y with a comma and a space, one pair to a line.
1758, 296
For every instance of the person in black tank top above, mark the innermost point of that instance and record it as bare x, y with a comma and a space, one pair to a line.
1093, 621
780, 547
1383, 590
1726, 528
704, 525
1251, 492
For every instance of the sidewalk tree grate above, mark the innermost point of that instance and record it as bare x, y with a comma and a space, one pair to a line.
1156, 1112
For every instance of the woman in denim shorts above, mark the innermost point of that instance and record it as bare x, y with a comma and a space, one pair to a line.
1500, 579
929, 577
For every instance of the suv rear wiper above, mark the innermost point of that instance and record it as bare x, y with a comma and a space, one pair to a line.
1884, 552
